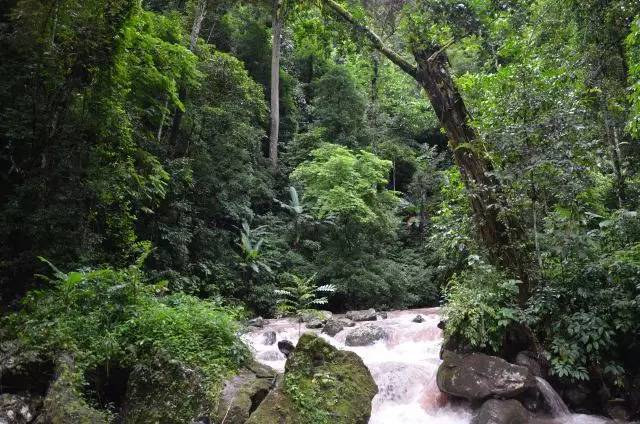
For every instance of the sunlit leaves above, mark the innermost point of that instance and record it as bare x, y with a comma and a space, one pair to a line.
347, 184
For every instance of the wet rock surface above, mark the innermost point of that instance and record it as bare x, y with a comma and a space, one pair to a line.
257, 322
365, 335
333, 327
364, 315
495, 411
529, 360
243, 393
269, 337
477, 376
314, 323
418, 318
286, 347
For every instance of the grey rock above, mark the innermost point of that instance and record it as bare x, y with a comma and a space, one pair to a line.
496, 411
314, 323
347, 322
365, 335
418, 318
243, 393
333, 327
256, 322
477, 376
269, 337
528, 359
365, 315
286, 347
618, 410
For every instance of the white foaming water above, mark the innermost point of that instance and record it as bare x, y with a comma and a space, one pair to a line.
404, 366
554, 401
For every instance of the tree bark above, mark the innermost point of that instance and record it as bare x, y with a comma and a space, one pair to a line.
432, 73
182, 93
276, 31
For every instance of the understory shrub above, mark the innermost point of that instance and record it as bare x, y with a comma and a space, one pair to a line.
480, 306
586, 308
111, 317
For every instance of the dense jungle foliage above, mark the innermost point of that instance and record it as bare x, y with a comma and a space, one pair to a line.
137, 129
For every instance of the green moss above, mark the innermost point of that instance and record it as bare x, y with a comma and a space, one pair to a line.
321, 385
109, 316
277, 408
64, 403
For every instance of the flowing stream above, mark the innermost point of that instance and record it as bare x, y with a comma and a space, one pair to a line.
404, 367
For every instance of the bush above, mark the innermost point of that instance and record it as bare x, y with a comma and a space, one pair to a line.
586, 309
481, 305
108, 317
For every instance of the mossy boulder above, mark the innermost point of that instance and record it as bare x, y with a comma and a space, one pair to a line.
244, 392
321, 385
166, 391
64, 403
169, 392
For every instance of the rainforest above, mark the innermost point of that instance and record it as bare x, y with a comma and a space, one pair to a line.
319, 211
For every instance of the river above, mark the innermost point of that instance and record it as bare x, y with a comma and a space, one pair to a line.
403, 365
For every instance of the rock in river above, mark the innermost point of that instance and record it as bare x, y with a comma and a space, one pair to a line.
496, 411
336, 382
366, 315
365, 335
333, 327
477, 376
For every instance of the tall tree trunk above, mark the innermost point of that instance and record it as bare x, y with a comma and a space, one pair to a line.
199, 14
432, 73
615, 156
276, 31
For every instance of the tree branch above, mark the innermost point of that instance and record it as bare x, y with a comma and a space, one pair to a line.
373, 38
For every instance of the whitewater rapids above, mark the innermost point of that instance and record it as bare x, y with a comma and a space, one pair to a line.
404, 366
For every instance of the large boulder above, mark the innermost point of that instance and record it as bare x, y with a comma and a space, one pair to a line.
365, 335
320, 384
477, 376
243, 393
496, 411
365, 315
169, 392
333, 327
